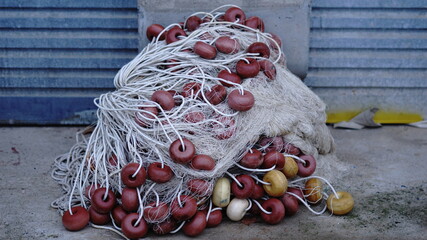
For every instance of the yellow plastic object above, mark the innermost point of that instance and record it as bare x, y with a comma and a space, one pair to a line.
397, 117
291, 168
313, 190
385, 117
278, 183
334, 117
221, 192
341, 206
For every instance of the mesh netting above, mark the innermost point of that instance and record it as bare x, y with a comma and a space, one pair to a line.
134, 128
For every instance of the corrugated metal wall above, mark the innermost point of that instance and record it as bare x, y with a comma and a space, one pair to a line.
369, 53
56, 56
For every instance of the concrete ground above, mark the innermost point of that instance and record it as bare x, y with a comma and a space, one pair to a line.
387, 177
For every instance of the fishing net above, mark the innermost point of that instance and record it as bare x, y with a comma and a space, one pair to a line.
181, 93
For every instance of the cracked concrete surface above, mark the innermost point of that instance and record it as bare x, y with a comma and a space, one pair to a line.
387, 178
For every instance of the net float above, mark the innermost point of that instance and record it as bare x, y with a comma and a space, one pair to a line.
216, 95
196, 225
76, 220
252, 159
113, 160
226, 131
247, 68
277, 40
206, 19
291, 204
164, 227
130, 200
258, 192
174, 94
240, 102
186, 210
119, 214
204, 50
182, 152
132, 230
101, 204
174, 33
273, 158
199, 187
246, 188
221, 192
194, 117
191, 89
313, 190
192, 23
307, 168
296, 191
164, 99
128, 172
237, 209
291, 168
155, 212
271, 143
214, 219
154, 30
172, 64
202, 162
276, 209
291, 149
227, 45
98, 218
278, 184
268, 69
255, 23
235, 14
159, 173
341, 205
220, 18
229, 77
261, 48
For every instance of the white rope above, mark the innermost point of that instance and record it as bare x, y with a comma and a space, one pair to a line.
259, 180
306, 204
111, 229
209, 210
234, 179
179, 228
260, 207
249, 207
255, 169
294, 157
321, 178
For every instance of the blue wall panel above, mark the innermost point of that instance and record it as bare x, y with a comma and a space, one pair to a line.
369, 53
56, 56
59, 54
47, 110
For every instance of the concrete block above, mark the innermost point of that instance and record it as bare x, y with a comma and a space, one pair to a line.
289, 19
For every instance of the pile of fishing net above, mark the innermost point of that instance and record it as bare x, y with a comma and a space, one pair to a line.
206, 121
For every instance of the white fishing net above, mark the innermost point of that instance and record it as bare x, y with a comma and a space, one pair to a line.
127, 131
